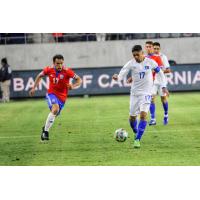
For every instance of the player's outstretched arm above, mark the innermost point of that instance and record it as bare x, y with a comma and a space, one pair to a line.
123, 72
37, 80
78, 82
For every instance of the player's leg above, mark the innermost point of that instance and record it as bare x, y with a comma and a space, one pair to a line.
153, 106
133, 113
133, 123
144, 108
54, 106
165, 107
153, 111
141, 128
51, 117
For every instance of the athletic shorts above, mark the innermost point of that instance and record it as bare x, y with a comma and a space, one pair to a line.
52, 99
157, 89
139, 103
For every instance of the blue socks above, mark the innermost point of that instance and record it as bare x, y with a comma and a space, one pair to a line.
133, 125
141, 128
152, 110
165, 107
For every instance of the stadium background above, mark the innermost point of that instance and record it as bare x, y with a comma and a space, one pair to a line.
96, 57
83, 135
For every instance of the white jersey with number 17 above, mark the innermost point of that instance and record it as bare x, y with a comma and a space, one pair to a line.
142, 75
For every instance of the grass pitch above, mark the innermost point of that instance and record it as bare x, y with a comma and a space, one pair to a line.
83, 134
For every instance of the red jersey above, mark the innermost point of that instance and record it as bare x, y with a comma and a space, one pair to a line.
157, 59
58, 81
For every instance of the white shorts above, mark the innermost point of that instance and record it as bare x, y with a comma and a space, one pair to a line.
157, 89
139, 103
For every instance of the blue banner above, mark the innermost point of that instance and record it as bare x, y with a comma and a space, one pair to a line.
99, 81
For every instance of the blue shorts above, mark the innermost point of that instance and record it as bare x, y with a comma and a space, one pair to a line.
52, 99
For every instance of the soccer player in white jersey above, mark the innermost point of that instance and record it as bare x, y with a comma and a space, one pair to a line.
141, 89
158, 84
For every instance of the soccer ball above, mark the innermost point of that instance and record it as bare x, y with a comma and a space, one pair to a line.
121, 135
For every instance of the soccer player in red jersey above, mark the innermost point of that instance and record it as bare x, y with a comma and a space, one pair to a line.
59, 77
150, 54
157, 82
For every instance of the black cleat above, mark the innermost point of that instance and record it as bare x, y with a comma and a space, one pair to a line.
44, 135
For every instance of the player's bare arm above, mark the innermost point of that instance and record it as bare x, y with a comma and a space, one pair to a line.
78, 82
37, 80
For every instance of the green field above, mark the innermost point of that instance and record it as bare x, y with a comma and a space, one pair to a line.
83, 134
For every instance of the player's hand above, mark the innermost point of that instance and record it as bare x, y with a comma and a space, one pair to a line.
165, 91
32, 92
115, 77
129, 80
70, 87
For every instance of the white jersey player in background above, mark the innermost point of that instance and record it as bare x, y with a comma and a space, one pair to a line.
157, 88
141, 89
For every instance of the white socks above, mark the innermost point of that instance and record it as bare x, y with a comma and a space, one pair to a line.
49, 122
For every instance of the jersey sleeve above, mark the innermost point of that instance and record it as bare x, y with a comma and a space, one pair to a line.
165, 62
71, 73
45, 71
124, 71
154, 64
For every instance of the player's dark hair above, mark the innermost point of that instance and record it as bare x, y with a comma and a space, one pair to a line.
4, 61
156, 44
137, 48
149, 42
58, 56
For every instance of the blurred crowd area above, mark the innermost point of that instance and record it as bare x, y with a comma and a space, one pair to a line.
30, 38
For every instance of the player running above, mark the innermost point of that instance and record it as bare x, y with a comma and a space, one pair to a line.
59, 77
157, 82
141, 89
150, 54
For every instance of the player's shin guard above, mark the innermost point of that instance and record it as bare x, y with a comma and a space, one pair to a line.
141, 128
133, 125
152, 110
49, 122
165, 107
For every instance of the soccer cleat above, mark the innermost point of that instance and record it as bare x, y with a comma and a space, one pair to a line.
165, 120
136, 143
44, 135
152, 122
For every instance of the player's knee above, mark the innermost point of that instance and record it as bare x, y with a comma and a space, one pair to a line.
132, 118
164, 99
55, 109
153, 99
143, 116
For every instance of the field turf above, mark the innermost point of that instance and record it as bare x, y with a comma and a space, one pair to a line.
83, 134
